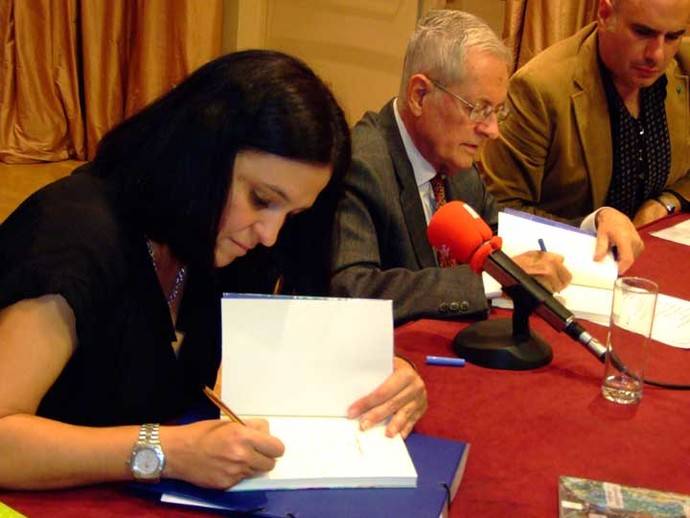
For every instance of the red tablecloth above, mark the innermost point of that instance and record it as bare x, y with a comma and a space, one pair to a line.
525, 428
528, 428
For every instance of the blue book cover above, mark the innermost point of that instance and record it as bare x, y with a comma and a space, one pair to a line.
440, 464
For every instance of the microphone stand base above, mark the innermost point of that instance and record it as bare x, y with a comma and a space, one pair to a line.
492, 343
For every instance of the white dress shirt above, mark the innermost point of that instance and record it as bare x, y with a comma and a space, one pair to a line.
423, 170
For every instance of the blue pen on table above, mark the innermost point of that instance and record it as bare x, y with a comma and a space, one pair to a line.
542, 246
444, 360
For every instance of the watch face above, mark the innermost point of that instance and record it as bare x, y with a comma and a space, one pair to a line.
146, 461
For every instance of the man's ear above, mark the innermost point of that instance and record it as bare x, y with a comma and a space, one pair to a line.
417, 89
605, 12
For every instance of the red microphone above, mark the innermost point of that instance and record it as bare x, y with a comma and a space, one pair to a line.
458, 229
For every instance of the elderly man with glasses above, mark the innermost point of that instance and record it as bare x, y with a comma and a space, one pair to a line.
413, 155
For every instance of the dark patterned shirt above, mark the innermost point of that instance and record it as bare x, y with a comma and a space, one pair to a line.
641, 146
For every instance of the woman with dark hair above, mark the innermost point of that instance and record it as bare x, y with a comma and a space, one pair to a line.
110, 279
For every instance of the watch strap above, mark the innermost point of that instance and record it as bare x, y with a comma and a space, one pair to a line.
148, 439
666, 201
149, 434
684, 203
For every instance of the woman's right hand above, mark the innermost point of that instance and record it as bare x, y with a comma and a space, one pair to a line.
38, 339
218, 453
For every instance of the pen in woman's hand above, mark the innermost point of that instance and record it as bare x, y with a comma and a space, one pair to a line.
222, 406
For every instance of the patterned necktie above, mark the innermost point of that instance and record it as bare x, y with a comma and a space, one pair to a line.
438, 185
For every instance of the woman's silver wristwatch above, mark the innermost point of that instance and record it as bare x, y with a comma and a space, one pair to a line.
147, 460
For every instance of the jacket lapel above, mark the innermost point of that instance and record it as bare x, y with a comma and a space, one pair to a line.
592, 122
677, 120
410, 203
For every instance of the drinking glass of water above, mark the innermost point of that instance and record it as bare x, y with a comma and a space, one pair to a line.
632, 317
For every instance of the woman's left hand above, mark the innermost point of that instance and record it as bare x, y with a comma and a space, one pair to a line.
402, 396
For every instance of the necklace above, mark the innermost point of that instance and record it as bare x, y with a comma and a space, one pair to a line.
180, 276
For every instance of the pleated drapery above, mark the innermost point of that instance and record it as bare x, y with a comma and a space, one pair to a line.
72, 69
532, 25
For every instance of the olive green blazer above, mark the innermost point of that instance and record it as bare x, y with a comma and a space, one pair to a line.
554, 153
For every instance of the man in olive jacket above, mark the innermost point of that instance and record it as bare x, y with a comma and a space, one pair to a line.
601, 119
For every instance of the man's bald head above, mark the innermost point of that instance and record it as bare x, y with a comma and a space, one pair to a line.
638, 38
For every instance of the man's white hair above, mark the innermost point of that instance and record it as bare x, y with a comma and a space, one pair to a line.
438, 46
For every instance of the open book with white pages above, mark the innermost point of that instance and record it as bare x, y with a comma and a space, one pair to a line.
440, 466
590, 293
521, 232
299, 362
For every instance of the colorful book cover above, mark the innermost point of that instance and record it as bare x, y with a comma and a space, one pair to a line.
584, 498
7, 512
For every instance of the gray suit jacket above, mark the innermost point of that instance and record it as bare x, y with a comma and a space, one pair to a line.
380, 244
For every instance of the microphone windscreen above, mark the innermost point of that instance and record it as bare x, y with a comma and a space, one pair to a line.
459, 229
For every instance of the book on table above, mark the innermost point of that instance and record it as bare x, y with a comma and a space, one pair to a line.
299, 362
7, 512
440, 464
307, 357
585, 498
590, 292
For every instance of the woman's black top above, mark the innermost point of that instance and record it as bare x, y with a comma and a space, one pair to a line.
71, 239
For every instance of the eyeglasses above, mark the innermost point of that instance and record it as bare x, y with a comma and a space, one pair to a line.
479, 112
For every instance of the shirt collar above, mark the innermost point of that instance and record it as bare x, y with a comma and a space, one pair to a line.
423, 170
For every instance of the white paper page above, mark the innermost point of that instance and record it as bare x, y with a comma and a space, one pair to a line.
672, 321
587, 303
335, 453
168, 498
303, 356
671, 316
593, 304
678, 233
492, 288
521, 234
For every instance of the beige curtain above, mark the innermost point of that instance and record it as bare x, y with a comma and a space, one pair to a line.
532, 25
71, 69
